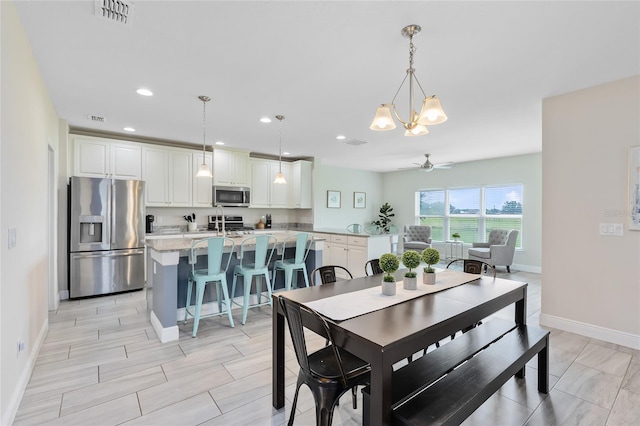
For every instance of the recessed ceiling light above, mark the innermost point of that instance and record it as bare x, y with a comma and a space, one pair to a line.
144, 92
286, 153
129, 129
265, 120
341, 137
219, 143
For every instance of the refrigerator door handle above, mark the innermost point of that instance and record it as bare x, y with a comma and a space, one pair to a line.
112, 212
89, 255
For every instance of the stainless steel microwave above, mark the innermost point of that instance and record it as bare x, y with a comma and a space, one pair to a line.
231, 196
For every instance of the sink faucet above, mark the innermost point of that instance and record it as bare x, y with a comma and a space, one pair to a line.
219, 207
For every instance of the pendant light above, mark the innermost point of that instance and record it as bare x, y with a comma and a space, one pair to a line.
280, 176
416, 123
203, 170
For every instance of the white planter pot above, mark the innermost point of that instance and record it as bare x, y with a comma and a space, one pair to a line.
429, 278
388, 289
410, 283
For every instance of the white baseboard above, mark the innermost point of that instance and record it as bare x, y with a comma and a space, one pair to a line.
64, 294
21, 386
526, 268
608, 335
168, 334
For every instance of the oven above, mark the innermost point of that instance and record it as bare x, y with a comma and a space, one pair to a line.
231, 196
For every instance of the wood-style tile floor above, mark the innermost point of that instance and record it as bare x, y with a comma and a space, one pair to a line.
102, 364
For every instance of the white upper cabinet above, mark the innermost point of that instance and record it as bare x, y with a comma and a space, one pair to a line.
169, 175
231, 168
300, 196
94, 157
202, 187
265, 193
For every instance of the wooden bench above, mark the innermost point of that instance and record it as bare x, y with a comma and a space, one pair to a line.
471, 368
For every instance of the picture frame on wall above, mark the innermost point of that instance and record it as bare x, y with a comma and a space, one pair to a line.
359, 200
333, 199
634, 188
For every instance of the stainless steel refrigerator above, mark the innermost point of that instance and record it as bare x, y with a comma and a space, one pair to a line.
106, 236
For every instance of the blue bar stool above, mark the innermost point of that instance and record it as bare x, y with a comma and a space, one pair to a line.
215, 273
289, 266
264, 245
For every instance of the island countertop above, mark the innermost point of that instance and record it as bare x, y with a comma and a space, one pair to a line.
344, 231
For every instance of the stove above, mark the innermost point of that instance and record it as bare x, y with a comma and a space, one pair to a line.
231, 223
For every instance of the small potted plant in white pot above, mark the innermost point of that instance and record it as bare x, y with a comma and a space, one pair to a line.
455, 236
430, 256
410, 259
389, 263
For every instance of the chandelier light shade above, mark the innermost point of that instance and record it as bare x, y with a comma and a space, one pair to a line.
416, 123
203, 170
280, 176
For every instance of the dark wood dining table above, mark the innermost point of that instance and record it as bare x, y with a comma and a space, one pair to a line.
392, 334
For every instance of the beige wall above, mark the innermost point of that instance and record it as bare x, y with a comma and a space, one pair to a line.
591, 283
29, 126
400, 187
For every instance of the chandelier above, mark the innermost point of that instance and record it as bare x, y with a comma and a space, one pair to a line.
280, 176
431, 112
203, 170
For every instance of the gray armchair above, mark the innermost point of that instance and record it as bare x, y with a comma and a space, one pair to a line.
499, 250
416, 237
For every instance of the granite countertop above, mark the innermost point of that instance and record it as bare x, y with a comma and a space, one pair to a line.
344, 231
184, 244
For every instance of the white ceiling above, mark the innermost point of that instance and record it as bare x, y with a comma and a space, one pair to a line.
326, 65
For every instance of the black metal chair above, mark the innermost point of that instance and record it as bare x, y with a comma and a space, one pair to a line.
328, 372
474, 266
328, 274
374, 264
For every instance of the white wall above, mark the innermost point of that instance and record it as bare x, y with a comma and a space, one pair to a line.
400, 187
591, 283
29, 125
347, 181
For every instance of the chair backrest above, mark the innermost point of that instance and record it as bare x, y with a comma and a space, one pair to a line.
303, 242
417, 233
263, 245
293, 313
512, 238
328, 274
472, 266
215, 252
498, 236
374, 264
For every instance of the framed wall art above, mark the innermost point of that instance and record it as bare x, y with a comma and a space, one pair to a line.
333, 199
359, 200
634, 188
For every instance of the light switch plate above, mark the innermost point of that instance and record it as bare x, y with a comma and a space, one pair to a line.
612, 229
11, 238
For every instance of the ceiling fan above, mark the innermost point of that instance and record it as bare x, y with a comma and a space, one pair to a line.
427, 166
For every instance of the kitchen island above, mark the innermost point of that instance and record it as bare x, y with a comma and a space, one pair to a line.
168, 268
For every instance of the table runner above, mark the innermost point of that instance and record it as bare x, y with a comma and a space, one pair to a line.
350, 305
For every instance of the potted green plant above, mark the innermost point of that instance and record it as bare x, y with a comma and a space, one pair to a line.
430, 256
384, 221
411, 259
455, 236
389, 263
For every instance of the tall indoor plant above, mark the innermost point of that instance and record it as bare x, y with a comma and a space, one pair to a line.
430, 256
384, 218
410, 259
389, 263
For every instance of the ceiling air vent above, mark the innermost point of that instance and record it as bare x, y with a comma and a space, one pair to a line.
115, 10
355, 142
97, 118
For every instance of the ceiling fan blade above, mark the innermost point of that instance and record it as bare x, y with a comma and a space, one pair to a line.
443, 166
408, 168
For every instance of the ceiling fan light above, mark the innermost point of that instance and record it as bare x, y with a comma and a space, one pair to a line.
280, 178
383, 120
432, 112
204, 171
417, 130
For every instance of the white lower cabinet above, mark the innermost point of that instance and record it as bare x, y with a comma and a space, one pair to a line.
353, 252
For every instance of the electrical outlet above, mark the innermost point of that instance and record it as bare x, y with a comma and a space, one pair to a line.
11, 238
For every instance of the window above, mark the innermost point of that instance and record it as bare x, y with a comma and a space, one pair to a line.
471, 212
